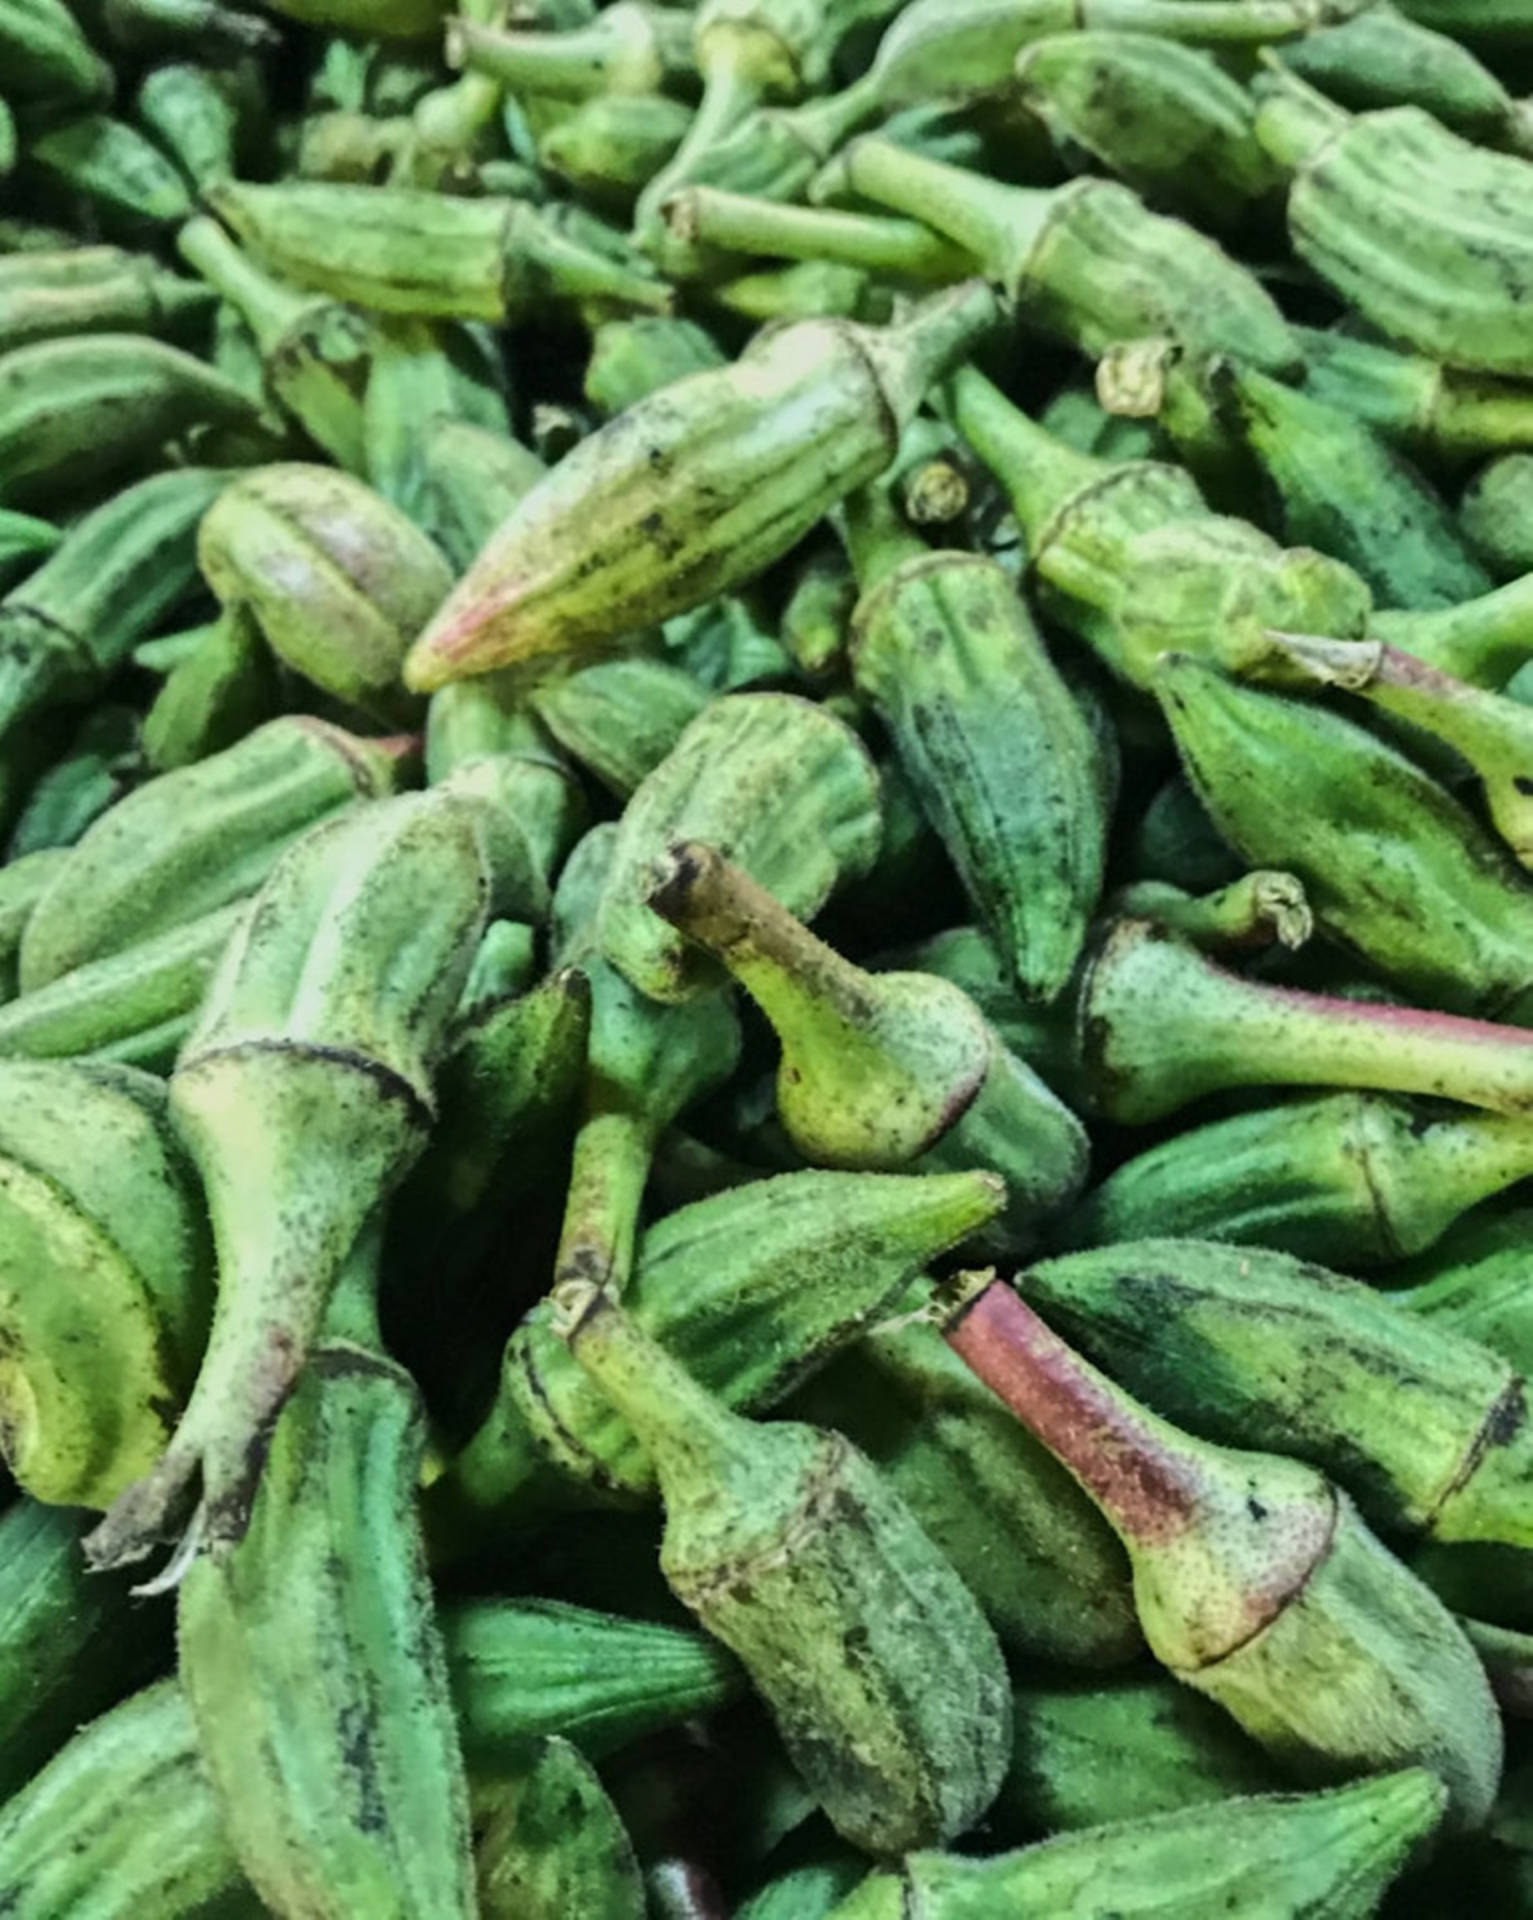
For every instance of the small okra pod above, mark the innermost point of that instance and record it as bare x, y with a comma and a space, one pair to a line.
790, 1548
215, 697
1252, 1574
1425, 234
878, 1071
692, 491
472, 479
303, 1096
410, 250
1330, 1855
419, 373
1391, 862
110, 164
607, 149
620, 718
107, 1284
779, 785
337, 578
633, 358
1001, 755
1087, 263
1425, 1428
1358, 1180
201, 118
94, 772
1496, 514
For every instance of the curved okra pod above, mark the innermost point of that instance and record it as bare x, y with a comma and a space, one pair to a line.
1427, 235
408, 250
1333, 1855
315, 353
790, 1548
751, 1290
1003, 760
337, 578
107, 1290
1087, 263
1252, 1574
120, 568
1424, 1427
1024, 1539
778, 784
1358, 1180
195, 840
311, 1654
303, 1096
1391, 862
885, 1070
695, 489
88, 407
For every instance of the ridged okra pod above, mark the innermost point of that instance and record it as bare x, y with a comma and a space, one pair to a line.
1496, 515
1331, 1855
1354, 1179
226, 686
777, 784
407, 250
107, 1288
1001, 755
1253, 1575
109, 164
312, 1658
790, 1548
194, 840
1474, 1283
338, 579
549, 1841
1087, 263
92, 290
1427, 235
1392, 863
695, 489
620, 718
303, 1096
1424, 1427
630, 48
1421, 403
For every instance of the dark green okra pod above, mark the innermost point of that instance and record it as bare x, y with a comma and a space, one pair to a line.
110, 165
1253, 1575
1475, 1283
878, 1070
791, 1549
696, 488
549, 1842
303, 1096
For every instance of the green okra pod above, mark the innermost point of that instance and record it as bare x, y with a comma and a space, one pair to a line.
1485, 641
199, 117
312, 1658
1423, 1426
222, 691
1392, 863
202, 26
1087, 263
1252, 1574
92, 290
1000, 753
1429, 407
1474, 1283
48, 57
620, 718
1333, 1855
309, 1076
472, 479
607, 149
695, 488
1358, 1180
1427, 235
1258, 910
408, 250
195, 840
418, 374
785, 1542
878, 1070
629, 48
1496, 514
101, 759
633, 358
110, 164
778, 784
337, 578
549, 1842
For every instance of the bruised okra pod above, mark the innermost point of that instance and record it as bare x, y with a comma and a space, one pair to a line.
1331, 1855
303, 1096
1088, 263
878, 1070
791, 1549
1165, 118
1391, 862
72, 623
192, 841
338, 579
1252, 1574
751, 1290
92, 290
1358, 1180
1425, 1428
1000, 753
1427, 235
694, 490
408, 250
776, 783
107, 1283
1492, 733
321, 1623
